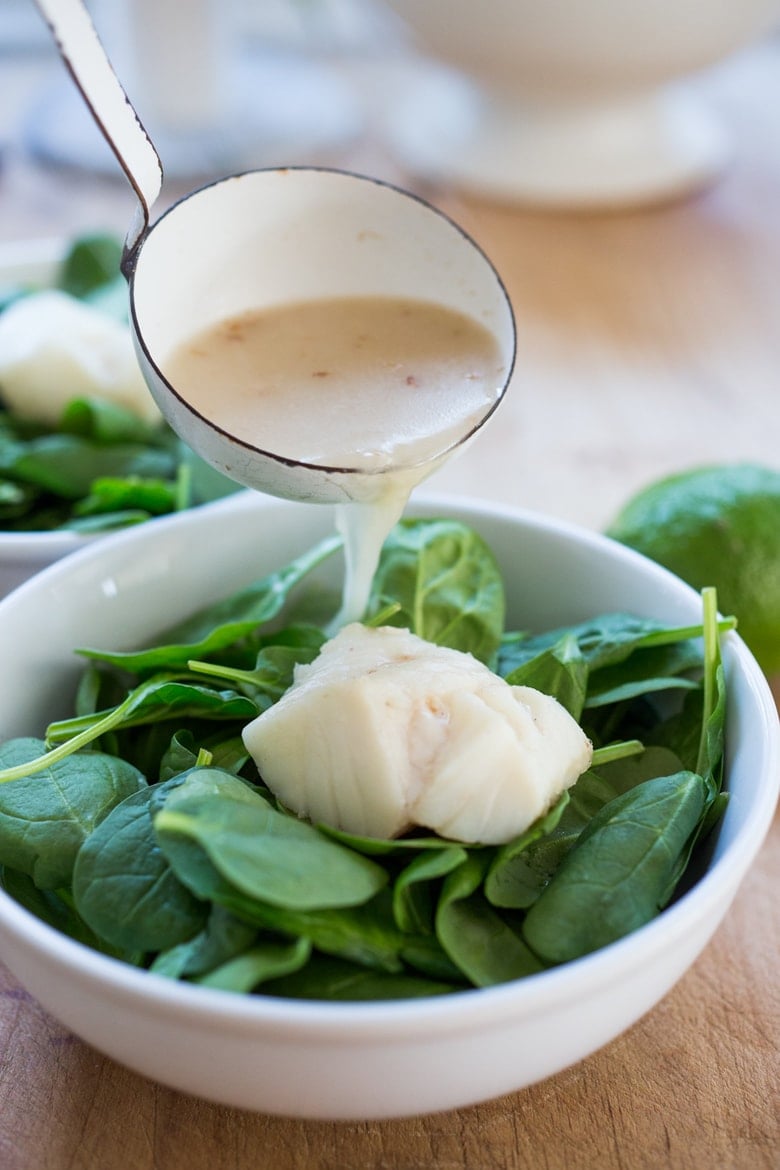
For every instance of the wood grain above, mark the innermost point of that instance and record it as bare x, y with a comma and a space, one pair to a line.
649, 341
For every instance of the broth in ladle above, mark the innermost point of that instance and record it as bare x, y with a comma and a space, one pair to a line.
385, 385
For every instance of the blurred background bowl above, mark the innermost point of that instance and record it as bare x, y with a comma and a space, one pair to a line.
362, 1060
571, 104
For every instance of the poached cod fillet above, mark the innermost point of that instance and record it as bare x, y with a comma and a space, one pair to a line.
385, 731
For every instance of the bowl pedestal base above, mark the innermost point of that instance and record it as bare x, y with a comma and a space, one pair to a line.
574, 154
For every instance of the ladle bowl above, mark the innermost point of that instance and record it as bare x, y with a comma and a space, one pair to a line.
273, 237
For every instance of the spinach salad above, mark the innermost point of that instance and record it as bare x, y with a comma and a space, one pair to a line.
101, 467
140, 826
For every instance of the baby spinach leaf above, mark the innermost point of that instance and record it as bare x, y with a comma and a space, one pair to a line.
90, 263
274, 666
326, 978
67, 465
365, 934
522, 868
604, 641
192, 866
180, 755
105, 421
643, 670
229, 755
616, 877
223, 623
154, 497
680, 732
124, 888
412, 900
223, 938
45, 818
379, 846
622, 692
447, 583
608, 638
266, 960
479, 942
603, 782
560, 671
506, 882
425, 954
264, 853
56, 909
154, 701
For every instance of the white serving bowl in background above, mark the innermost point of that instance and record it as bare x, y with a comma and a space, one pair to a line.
573, 104
362, 1060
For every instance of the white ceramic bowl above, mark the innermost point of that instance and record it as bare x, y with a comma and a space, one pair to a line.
364, 1060
576, 104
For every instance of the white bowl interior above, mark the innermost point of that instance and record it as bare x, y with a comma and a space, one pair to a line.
359, 1060
278, 236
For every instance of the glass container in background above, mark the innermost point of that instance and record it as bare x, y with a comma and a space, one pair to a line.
221, 85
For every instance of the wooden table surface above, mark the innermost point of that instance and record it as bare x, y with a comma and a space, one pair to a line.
649, 341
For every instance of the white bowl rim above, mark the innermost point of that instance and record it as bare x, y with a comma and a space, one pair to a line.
392, 1020
57, 540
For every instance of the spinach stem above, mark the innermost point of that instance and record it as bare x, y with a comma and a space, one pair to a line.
682, 633
183, 487
384, 615
167, 821
711, 631
216, 671
617, 751
63, 750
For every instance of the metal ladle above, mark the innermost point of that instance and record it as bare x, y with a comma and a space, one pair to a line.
265, 238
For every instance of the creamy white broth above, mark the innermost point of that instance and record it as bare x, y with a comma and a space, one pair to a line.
383, 385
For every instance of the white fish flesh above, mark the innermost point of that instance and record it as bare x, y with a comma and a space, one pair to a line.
54, 348
385, 731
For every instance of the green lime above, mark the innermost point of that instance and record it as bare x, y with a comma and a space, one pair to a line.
717, 526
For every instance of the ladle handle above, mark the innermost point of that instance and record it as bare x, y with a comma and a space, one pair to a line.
86, 59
